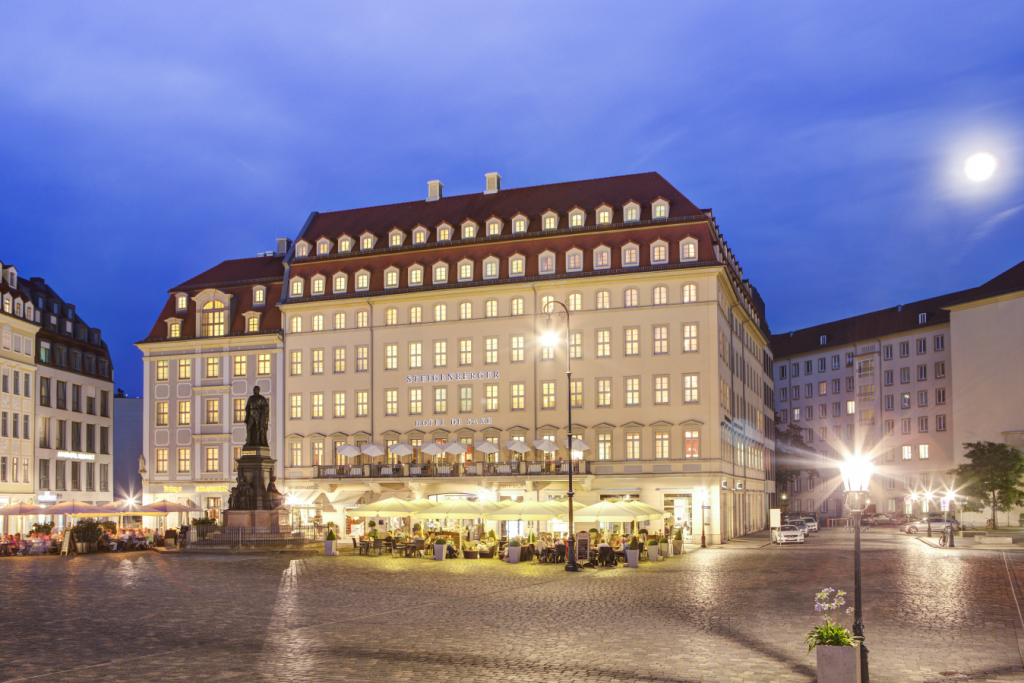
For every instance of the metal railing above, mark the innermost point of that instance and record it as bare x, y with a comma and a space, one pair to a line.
203, 536
431, 470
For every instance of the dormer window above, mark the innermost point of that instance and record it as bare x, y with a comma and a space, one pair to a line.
444, 233
252, 321
17, 308
517, 266
631, 212
604, 215
302, 249
922, 318
174, 329
440, 273
259, 296
12, 277
465, 270
602, 258
391, 278
362, 280
318, 285
520, 224
630, 255
296, 289
420, 234
688, 249
546, 263
495, 227
181, 302
574, 260
577, 217
340, 283
366, 241
213, 319
550, 220
491, 265
659, 208
469, 230
659, 252
345, 244
28, 313
824, 338
396, 238
415, 276
323, 247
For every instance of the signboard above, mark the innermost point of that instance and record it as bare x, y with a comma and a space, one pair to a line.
172, 489
47, 497
71, 455
356, 530
583, 547
706, 507
65, 546
775, 514
945, 504
211, 489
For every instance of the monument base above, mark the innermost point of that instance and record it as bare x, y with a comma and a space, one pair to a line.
264, 520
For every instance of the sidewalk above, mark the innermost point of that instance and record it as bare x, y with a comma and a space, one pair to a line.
972, 543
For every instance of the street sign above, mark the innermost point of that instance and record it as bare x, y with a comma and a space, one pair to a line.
775, 515
706, 507
582, 546
945, 504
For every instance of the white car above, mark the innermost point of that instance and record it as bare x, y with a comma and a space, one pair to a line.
787, 533
811, 523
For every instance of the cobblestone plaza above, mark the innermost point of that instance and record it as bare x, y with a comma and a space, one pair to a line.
733, 613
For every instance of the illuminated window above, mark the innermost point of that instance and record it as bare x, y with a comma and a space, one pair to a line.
660, 295
339, 360
415, 276
362, 358
391, 402
444, 234
517, 266
391, 278
547, 395
490, 269
688, 251
691, 388
604, 216
440, 400
574, 302
415, 355
253, 324
518, 346
660, 339
490, 350
415, 401
630, 256
632, 391
632, 445
184, 460
659, 252
440, 274
631, 298
362, 281
362, 403
604, 345
550, 222
517, 306
213, 319
602, 258
415, 315
317, 365
465, 352
465, 271
440, 313
692, 443
603, 300
518, 392
661, 445
363, 319
184, 413
295, 324
661, 393
263, 364
339, 404
604, 393
212, 368
296, 368
302, 250
491, 397
491, 308
391, 316
632, 341
466, 310
604, 446
690, 339
296, 287
440, 354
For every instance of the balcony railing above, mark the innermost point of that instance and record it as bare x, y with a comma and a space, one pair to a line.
477, 469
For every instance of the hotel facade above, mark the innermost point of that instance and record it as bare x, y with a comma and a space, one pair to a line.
420, 323
908, 385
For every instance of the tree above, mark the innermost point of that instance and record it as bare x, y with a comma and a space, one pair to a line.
792, 455
992, 478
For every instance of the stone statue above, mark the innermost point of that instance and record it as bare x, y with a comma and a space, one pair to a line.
241, 496
257, 420
142, 463
274, 497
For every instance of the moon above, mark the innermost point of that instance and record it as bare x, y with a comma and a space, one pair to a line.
979, 167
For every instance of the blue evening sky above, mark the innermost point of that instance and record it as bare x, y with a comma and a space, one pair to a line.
141, 143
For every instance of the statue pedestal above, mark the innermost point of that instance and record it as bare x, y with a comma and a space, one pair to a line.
269, 520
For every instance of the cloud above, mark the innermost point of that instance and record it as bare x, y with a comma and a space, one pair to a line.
987, 226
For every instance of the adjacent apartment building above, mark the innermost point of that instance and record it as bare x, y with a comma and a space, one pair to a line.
418, 323
907, 385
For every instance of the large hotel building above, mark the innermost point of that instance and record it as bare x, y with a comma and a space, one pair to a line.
908, 385
419, 323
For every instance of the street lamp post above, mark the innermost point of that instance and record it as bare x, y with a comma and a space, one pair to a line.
950, 499
702, 497
928, 518
856, 474
549, 339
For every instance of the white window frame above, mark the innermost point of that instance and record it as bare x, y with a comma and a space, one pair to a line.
362, 240
544, 220
683, 246
411, 280
433, 273
573, 214
496, 262
345, 244
658, 243
568, 260
606, 220
540, 262
511, 268
321, 244
659, 202
420, 235
603, 249
362, 271
458, 273
622, 255
396, 235
626, 209
392, 271
468, 230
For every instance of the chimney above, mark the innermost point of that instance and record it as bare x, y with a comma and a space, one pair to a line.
434, 190
283, 245
493, 183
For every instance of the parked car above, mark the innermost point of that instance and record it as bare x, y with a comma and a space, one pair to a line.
882, 520
810, 523
800, 525
787, 533
937, 523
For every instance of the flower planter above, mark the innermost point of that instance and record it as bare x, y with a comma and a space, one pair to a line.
330, 547
439, 551
677, 547
513, 555
83, 548
663, 549
652, 553
838, 664
633, 558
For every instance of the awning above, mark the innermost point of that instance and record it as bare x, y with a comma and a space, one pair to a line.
346, 499
308, 499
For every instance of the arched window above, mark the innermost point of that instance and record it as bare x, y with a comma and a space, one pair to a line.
575, 302
491, 308
660, 295
689, 250
603, 300
391, 278
415, 314
689, 294
213, 319
517, 306
362, 319
440, 273
339, 321
440, 313
544, 301
296, 323
465, 311
631, 298
318, 323
391, 316
363, 281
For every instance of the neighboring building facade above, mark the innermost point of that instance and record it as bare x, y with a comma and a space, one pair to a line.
882, 383
128, 445
18, 330
74, 409
218, 336
418, 323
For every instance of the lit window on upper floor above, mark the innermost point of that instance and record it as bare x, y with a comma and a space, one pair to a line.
302, 249
491, 308
631, 212
688, 249
550, 220
466, 310
491, 265
259, 296
603, 300
252, 323
391, 317
469, 229
396, 238
465, 270
659, 208
340, 283
577, 217
420, 235
630, 255
690, 295
546, 263
520, 224
391, 278
516, 306
297, 287
323, 246
295, 324
362, 319
631, 298
517, 266
574, 260
174, 330
181, 302
659, 295
415, 315
415, 276
362, 281
444, 233
440, 273
440, 313
602, 258
604, 214
366, 241
318, 284
574, 301
659, 252
345, 244
213, 319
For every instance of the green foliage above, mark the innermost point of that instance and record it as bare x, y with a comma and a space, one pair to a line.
331, 536
372, 524
205, 521
440, 540
593, 531
828, 634
531, 538
652, 542
992, 478
416, 527
514, 543
109, 526
87, 531
793, 456
679, 535
634, 543
490, 535
43, 528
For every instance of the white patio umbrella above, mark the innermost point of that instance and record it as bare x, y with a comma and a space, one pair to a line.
78, 508
529, 511
486, 447
456, 508
563, 505
577, 444
455, 448
546, 445
605, 511
517, 446
166, 507
643, 510
373, 450
432, 449
348, 451
401, 449
21, 509
389, 507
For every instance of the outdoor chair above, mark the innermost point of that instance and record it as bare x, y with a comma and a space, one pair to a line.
606, 557
355, 545
378, 546
418, 548
559, 554
489, 553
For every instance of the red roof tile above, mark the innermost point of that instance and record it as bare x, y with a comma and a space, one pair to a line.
237, 271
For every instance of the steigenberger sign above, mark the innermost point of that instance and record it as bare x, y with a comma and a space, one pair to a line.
452, 377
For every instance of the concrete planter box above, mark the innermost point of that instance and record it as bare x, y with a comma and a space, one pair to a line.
513, 555
838, 664
632, 558
677, 547
663, 549
652, 553
83, 548
439, 551
330, 548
